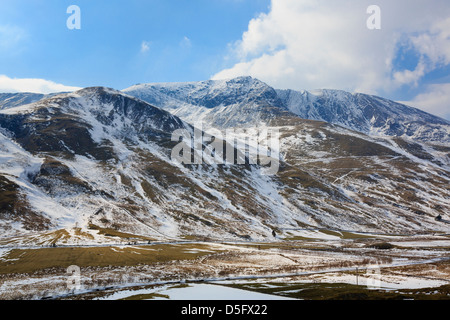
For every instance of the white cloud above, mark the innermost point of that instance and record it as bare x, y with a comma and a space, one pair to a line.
32, 85
145, 46
10, 36
410, 77
186, 43
306, 44
435, 43
435, 100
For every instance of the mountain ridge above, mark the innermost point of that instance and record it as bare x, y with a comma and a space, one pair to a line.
210, 101
97, 162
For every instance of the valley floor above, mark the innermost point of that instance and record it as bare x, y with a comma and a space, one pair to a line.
310, 264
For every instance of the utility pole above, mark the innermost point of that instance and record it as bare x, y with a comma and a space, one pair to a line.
357, 282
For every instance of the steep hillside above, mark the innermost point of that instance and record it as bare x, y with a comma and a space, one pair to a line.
10, 100
97, 165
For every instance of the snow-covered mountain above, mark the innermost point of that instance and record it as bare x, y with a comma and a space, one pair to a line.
55, 153
243, 101
97, 160
97, 164
9, 100
248, 101
368, 114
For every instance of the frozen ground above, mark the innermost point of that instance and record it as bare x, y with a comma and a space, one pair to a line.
191, 292
149, 271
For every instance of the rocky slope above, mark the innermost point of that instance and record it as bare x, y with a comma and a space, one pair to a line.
246, 101
97, 165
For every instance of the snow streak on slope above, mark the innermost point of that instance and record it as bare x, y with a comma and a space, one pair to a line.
16, 166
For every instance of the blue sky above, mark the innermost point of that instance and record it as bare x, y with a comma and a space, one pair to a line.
185, 39
296, 44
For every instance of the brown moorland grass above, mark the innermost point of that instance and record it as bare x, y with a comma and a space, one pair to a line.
32, 260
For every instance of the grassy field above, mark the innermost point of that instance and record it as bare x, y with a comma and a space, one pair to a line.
31, 260
36, 272
343, 291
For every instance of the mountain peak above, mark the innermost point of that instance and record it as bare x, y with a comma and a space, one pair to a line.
245, 100
97, 90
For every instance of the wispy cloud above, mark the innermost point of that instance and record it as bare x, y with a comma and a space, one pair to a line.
145, 46
32, 85
186, 43
10, 36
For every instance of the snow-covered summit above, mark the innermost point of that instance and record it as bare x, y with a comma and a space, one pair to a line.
366, 113
241, 101
245, 100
